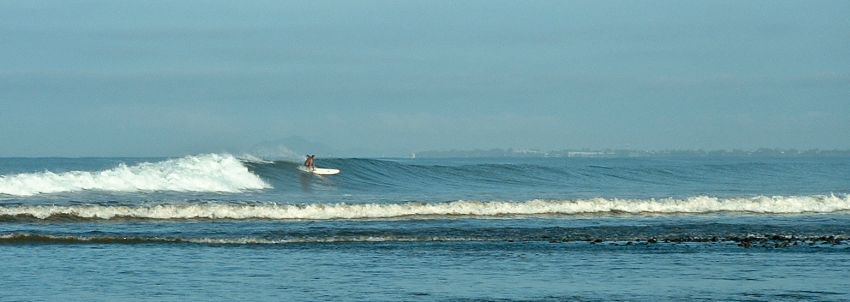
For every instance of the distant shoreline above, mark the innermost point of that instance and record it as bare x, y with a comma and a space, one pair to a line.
532, 153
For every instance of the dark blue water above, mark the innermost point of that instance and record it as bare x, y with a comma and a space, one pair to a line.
214, 227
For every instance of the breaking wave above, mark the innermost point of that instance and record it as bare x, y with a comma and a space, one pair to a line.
200, 173
599, 206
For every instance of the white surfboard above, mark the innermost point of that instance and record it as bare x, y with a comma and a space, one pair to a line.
320, 171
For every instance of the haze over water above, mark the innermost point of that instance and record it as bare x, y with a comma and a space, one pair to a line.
386, 78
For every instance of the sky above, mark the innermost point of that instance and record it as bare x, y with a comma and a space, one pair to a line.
386, 78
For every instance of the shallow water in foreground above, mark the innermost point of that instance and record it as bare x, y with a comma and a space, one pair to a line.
473, 271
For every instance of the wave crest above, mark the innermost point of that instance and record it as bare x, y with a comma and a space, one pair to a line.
692, 205
200, 173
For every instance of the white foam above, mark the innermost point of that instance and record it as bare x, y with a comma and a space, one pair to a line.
253, 159
333, 239
234, 241
200, 173
697, 204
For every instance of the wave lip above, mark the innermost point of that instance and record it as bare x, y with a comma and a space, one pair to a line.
692, 205
200, 173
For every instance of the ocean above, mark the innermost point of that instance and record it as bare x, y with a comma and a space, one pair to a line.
219, 227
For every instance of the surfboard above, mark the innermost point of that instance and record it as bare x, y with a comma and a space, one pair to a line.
320, 171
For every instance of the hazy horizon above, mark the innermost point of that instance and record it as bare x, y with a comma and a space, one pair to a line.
295, 148
387, 78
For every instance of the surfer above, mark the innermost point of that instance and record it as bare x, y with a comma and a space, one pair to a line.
310, 163
310, 166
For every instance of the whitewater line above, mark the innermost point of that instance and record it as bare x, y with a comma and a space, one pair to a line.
208, 210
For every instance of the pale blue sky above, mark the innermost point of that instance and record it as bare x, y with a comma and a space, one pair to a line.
149, 78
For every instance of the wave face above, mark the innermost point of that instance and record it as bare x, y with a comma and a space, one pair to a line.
554, 178
201, 173
376, 180
412, 210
